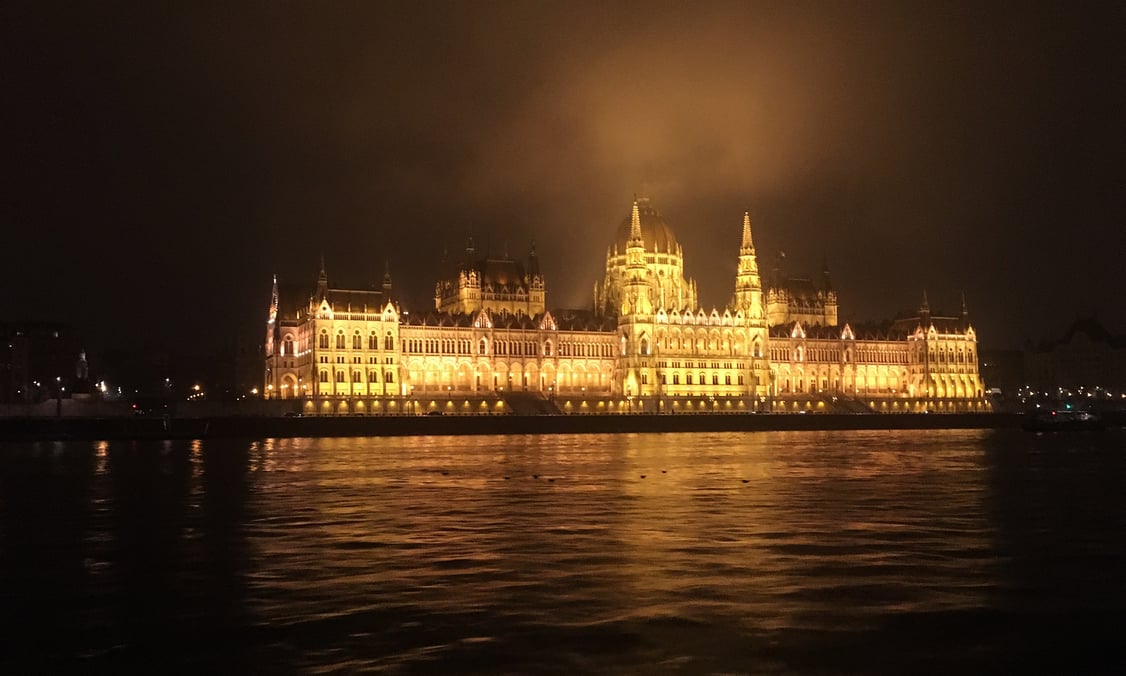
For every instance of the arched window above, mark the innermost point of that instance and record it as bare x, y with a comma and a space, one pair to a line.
483, 347
644, 346
340, 340
287, 346
389, 342
324, 374
373, 376
322, 341
339, 376
357, 342
357, 377
373, 341
388, 376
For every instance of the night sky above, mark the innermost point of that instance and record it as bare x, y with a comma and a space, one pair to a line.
163, 162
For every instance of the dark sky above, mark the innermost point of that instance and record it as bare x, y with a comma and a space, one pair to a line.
162, 162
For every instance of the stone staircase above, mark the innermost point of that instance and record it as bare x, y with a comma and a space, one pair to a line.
530, 403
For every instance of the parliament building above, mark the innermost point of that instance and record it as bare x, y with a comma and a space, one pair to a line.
490, 344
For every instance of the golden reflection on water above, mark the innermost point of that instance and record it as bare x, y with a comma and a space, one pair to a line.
778, 529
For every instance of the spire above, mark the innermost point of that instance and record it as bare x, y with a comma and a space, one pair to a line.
825, 278
965, 309
747, 246
322, 280
533, 259
926, 306
386, 278
469, 250
635, 226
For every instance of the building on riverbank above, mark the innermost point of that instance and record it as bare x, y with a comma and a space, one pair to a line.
646, 344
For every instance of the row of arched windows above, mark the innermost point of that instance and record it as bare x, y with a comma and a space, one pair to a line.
358, 377
357, 341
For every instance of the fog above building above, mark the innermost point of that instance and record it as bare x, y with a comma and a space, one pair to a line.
169, 161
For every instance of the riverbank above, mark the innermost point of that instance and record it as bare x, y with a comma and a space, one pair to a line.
32, 429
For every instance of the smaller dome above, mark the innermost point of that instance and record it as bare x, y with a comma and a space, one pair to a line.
655, 231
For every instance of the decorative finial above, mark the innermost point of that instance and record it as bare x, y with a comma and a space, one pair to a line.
926, 306
635, 225
747, 245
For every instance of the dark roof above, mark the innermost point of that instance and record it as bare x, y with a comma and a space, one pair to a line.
798, 287
1089, 327
356, 300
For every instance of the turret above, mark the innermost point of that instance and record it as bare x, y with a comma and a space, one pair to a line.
386, 281
322, 281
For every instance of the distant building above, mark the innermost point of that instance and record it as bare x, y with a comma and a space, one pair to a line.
645, 344
1087, 356
40, 360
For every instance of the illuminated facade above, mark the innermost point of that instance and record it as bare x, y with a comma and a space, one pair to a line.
490, 344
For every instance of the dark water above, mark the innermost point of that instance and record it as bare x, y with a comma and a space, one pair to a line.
837, 552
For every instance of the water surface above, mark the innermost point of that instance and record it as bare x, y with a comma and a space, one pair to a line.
788, 552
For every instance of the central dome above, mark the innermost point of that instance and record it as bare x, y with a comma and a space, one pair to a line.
655, 231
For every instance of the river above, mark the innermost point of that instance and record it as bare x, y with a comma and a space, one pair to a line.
773, 552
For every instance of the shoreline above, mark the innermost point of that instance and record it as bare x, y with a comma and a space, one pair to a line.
95, 429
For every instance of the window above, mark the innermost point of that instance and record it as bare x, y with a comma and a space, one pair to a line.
340, 341
676, 379
373, 341
687, 378
322, 342
373, 376
483, 346
389, 342
740, 379
357, 342
715, 379
287, 346
727, 380
644, 378
357, 377
388, 377
339, 376
324, 376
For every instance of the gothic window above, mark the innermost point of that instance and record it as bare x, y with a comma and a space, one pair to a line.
676, 379
340, 341
388, 376
644, 346
322, 342
389, 342
740, 378
373, 341
357, 342
547, 349
339, 376
715, 379
644, 378
324, 376
687, 378
287, 346
373, 376
727, 380
483, 346
357, 377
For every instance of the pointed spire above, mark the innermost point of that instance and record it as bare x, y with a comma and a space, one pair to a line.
965, 309
469, 250
635, 226
747, 245
322, 280
926, 306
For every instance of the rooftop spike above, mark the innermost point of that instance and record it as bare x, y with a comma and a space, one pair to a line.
747, 244
635, 225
